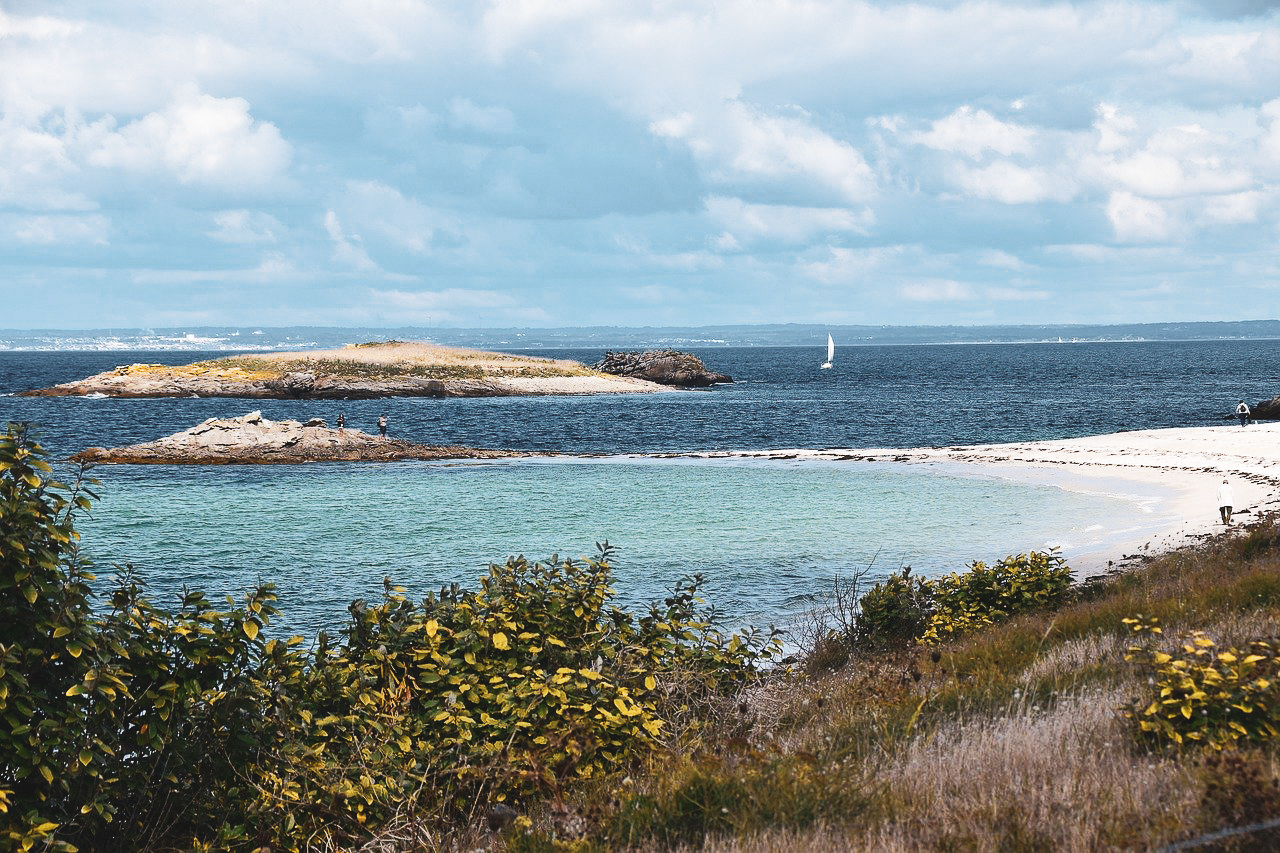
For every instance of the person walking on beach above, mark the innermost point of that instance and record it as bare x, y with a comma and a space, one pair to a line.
1225, 501
382, 425
1242, 412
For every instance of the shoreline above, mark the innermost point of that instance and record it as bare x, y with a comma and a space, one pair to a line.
1176, 470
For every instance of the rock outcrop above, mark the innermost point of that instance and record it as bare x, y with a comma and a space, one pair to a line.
666, 367
1268, 410
254, 440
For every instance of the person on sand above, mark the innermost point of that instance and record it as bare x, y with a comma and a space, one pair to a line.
382, 425
1242, 412
1225, 501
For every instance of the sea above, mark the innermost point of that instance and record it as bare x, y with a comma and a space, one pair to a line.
654, 475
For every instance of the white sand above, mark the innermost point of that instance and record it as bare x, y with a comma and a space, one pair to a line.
601, 384
1181, 468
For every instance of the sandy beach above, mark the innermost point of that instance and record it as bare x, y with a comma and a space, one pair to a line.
1178, 470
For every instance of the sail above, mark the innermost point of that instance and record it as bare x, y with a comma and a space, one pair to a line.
831, 348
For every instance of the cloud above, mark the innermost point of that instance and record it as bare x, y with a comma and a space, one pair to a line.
746, 223
1009, 183
743, 148
837, 264
56, 230
975, 133
347, 250
948, 160
1138, 219
199, 139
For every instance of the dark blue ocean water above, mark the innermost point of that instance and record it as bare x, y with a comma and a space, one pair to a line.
770, 536
893, 396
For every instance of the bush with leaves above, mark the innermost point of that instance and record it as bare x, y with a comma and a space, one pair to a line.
1203, 695
894, 612
986, 594
903, 609
138, 727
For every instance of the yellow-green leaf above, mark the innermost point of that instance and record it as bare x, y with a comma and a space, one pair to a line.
250, 629
500, 641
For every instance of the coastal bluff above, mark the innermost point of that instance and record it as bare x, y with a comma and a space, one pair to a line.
253, 440
358, 371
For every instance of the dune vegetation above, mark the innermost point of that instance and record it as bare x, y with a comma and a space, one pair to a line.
381, 361
1003, 707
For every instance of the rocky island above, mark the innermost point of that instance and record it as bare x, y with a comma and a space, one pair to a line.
254, 440
358, 371
666, 367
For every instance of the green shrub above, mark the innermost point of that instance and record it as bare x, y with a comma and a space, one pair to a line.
894, 612
138, 728
1205, 696
984, 595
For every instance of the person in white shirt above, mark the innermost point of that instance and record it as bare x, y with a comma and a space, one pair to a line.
1242, 412
1225, 501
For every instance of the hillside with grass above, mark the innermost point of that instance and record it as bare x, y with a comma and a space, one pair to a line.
1002, 707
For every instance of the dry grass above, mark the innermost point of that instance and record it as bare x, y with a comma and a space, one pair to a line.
409, 355
1015, 739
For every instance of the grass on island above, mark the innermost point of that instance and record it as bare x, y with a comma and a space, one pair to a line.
1000, 708
375, 361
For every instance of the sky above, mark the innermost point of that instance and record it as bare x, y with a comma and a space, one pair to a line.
546, 163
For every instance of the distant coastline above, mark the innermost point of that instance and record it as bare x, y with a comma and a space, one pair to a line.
601, 338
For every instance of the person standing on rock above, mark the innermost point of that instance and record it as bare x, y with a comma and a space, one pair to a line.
1242, 412
382, 425
342, 422
1226, 499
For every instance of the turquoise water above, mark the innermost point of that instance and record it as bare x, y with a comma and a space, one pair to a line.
770, 535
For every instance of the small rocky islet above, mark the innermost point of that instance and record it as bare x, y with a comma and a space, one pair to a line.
254, 440
393, 369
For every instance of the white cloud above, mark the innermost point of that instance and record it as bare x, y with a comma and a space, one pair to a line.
202, 140
383, 212
1180, 161
347, 250
1000, 260
837, 264
62, 229
1010, 183
975, 133
1138, 219
744, 223
741, 146
1234, 208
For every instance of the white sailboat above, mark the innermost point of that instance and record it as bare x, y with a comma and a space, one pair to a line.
831, 352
